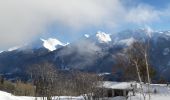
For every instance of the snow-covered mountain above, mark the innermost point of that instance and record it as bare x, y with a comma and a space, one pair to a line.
52, 44
94, 53
103, 37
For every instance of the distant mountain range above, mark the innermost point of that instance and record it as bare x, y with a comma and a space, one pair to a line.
92, 53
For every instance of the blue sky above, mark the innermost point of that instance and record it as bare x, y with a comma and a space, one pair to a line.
68, 20
158, 4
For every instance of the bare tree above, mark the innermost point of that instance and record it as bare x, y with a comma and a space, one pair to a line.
50, 83
136, 56
43, 76
86, 84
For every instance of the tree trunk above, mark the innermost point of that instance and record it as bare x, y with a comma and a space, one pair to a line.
140, 80
147, 67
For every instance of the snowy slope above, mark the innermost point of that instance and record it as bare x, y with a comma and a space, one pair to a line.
17, 47
13, 48
8, 96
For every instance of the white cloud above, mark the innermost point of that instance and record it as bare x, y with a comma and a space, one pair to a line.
85, 50
22, 20
142, 14
149, 31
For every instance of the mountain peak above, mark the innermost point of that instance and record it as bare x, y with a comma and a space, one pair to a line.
103, 37
51, 43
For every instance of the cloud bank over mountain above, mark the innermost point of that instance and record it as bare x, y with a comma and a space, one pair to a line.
22, 20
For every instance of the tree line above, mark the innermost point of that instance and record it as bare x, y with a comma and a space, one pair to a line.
49, 82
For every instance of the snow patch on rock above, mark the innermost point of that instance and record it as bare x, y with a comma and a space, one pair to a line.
87, 35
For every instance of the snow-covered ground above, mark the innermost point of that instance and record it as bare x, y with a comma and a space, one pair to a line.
153, 97
8, 96
162, 93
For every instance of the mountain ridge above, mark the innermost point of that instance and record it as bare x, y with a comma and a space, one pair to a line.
92, 55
